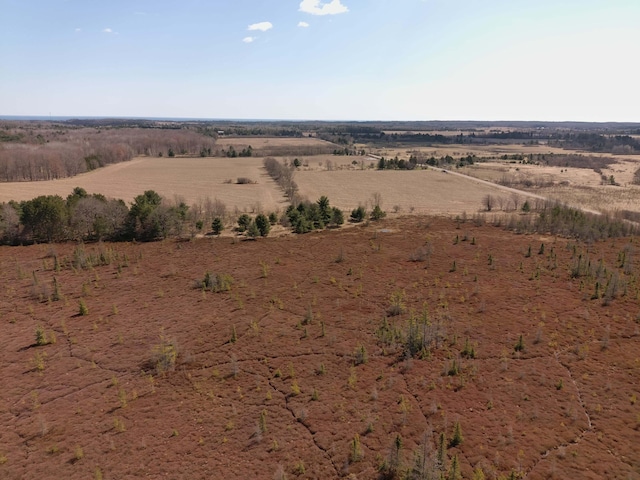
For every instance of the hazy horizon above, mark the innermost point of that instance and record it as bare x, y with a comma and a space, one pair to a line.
338, 60
62, 118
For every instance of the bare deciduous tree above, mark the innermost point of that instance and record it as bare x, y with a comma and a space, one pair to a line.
489, 202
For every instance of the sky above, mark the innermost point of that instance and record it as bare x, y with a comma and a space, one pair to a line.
547, 60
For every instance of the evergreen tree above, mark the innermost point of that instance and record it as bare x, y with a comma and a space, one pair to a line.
243, 222
442, 452
337, 217
457, 435
454, 471
253, 231
358, 214
262, 222
377, 213
217, 226
325, 210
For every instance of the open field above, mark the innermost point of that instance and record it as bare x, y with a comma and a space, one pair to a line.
189, 178
464, 150
346, 184
419, 191
575, 186
277, 146
607, 199
263, 142
194, 178
497, 171
301, 362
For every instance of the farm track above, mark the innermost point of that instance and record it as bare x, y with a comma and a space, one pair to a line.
512, 190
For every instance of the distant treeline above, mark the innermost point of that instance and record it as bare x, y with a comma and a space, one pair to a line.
562, 160
593, 142
276, 150
598, 143
51, 153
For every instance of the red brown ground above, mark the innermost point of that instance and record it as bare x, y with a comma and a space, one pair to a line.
93, 405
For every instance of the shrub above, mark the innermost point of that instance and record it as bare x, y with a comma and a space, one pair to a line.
164, 357
83, 309
392, 467
397, 303
360, 355
262, 422
337, 217
41, 336
299, 468
243, 222
263, 224
358, 214
454, 471
295, 389
421, 254
220, 282
469, 350
356, 449
308, 316
78, 453
377, 213
217, 226
253, 231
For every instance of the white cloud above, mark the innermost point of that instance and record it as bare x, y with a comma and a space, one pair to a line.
316, 7
78, 29
248, 39
303, 24
262, 26
107, 30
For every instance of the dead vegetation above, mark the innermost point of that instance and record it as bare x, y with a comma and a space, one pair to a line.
370, 356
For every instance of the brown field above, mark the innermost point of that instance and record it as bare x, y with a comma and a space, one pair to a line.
419, 191
192, 179
290, 371
452, 133
333, 162
496, 171
575, 186
188, 178
347, 185
464, 150
262, 142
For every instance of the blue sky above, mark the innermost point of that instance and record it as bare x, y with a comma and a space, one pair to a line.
329, 60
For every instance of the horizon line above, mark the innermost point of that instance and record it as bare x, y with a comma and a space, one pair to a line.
258, 120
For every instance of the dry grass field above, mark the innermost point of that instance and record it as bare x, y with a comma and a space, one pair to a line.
188, 178
192, 179
346, 183
464, 150
575, 186
262, 142
418, 191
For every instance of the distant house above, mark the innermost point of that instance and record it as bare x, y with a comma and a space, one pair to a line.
220, 132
